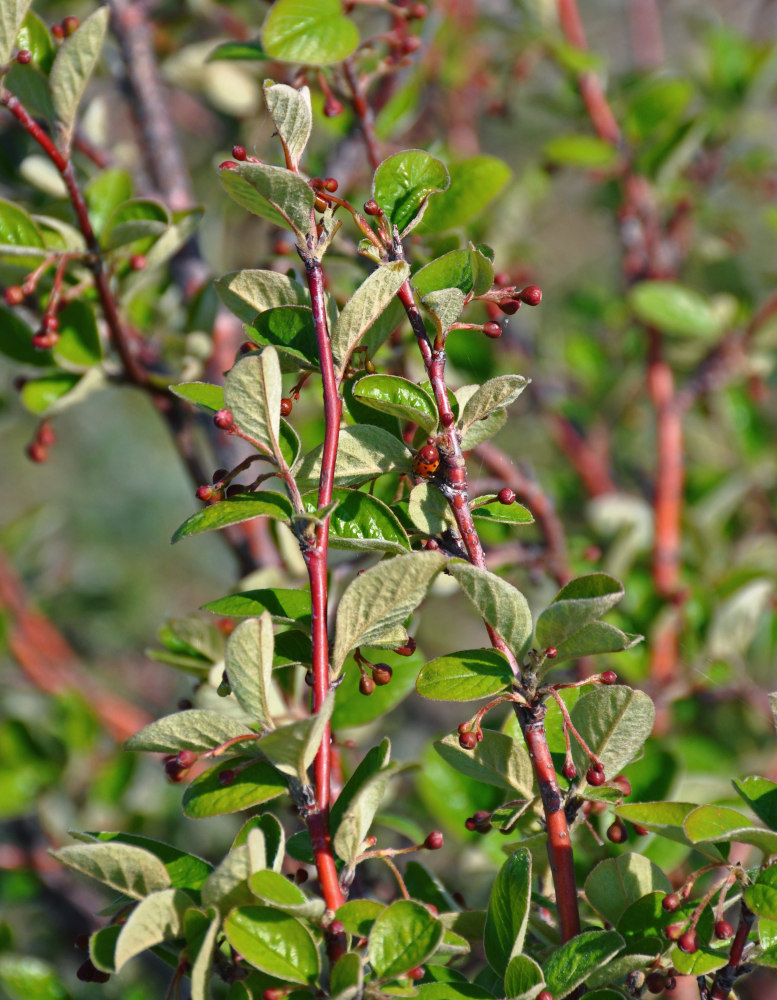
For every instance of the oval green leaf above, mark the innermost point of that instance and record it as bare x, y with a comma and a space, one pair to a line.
403, 936
274, 942
674, 309
403, 184
361, 522
473, 184
253, 784
465, 676
312, 32
234, 510
400, 397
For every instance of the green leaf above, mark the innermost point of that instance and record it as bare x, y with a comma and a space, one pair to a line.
495, 394
364, 794
473, 184
502, 605
354, 709
287, 607
429, 511
30, 85
403, 183
16, 341
616, 883
41, 395
364, 308
400, 397
247, 293
74, 63
508, 911
467, 270
581, 601
249, 659
500, 513
595, 638
291, 748
664, 818
761, 795
235, 510
102, 947
382, 598
614, 721
290, 329
524, 978
291, 113
364, 452
123, 867
252, 51
276, 890
585, 151
79, 341
252, 784
203, 394
674, 309
444, 307
311, 32
359, 915
274, 942
159, 917
465, 676
570, 965
17, 229
272, 193
361, 522
104, 193
186, 871
23, 977
252, 392
201, 969
403, 936
452, 991
483, 429
497, 760
137, 219
196, 729
762, 897
12, 17
347, 977
719, 824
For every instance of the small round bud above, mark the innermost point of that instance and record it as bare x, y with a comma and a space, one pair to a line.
86, 971
49, 324
369, 366
204, 493
184, 704
172, 770
46, 435
366, 685
332, 107
655, 982
186, 758
381, 673
24, 56
408, 649
481, 817
431, 545
506, 496
43, 341
412, 43
301, 876
58, 32
641, 831
36, 452
218, 475
280, 248
226, 777
331, 184
228, 165
447, 419
671, 984
551, 653
246, 347
470, 824
70, 24
723, 930
492, 330
416, 973
509, 306
531, 295
594, 777
274, 993
617, 832
336, 927
569, 770
688, 942
545, 995
434, 841
623, 784
320, 204
82, 942
286, 406
371, 207
609, 677
13, 295
671, 902
138, 262
418, 11
673, 931
468, 740
239, 152
428, 453
224, 420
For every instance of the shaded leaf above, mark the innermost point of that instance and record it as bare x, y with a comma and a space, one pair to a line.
508, 911
719, 824
252, 392
249, 661
364, 308
157, 918
473, 184
123, 867
616, 883
614, 721
581, 601
761, 795
495, 394
570, 965
196, 729
502, 605
273, 193
249, 292
251, 785
361, 522
400, 397
497, 760
364, 452
73, 65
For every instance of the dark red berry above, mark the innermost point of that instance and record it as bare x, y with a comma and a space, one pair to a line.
417, 11
58, 31
173, 770
623, 784
671, 984
447, 419
274, 993
655, 982
545, 995
332, 107
551, 653
82, 942
641, 831
509, 306
381, 673
468, 740
331, 185
598, 766
688, 942
723, 930
246, 347
70, 24
224, 420
49, 324
301, 876
13, 295
286, 406
24, 56
609, 677
204, 493
416, 973
371, 207
86, 971
671, 902
336, 927
482, 820
617, 833
506, 496
138, 262
320, 204
431, 544
226, 777
228, 165
186, 758
280, 248
434, 841
673, 931
366, 685
531, 295
429, 453
239, 152
408, 649
569, 770
36, 452
470, 824
492, 330
46, 435
594, 777
412, 43
218, 475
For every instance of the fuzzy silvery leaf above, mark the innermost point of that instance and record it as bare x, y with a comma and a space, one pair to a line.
355, 822
382, 598
364, 452
364, 307
252, 393
273, 193
157, 918
247, 293
227, 886
495, 394
196, 729
12, 14
581, 601
444, 306
498, 760
483, 429
502, 605
249, 659
123, 867
291, 748
292, 115
508, 911
201, 968
74, 63
614, 721
616, 883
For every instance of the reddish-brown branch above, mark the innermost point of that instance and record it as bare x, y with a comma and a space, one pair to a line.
316, 560
586, 462
724, 978
363, 112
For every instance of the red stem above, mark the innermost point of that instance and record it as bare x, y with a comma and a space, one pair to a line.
316, 560
363, 112
724, 978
